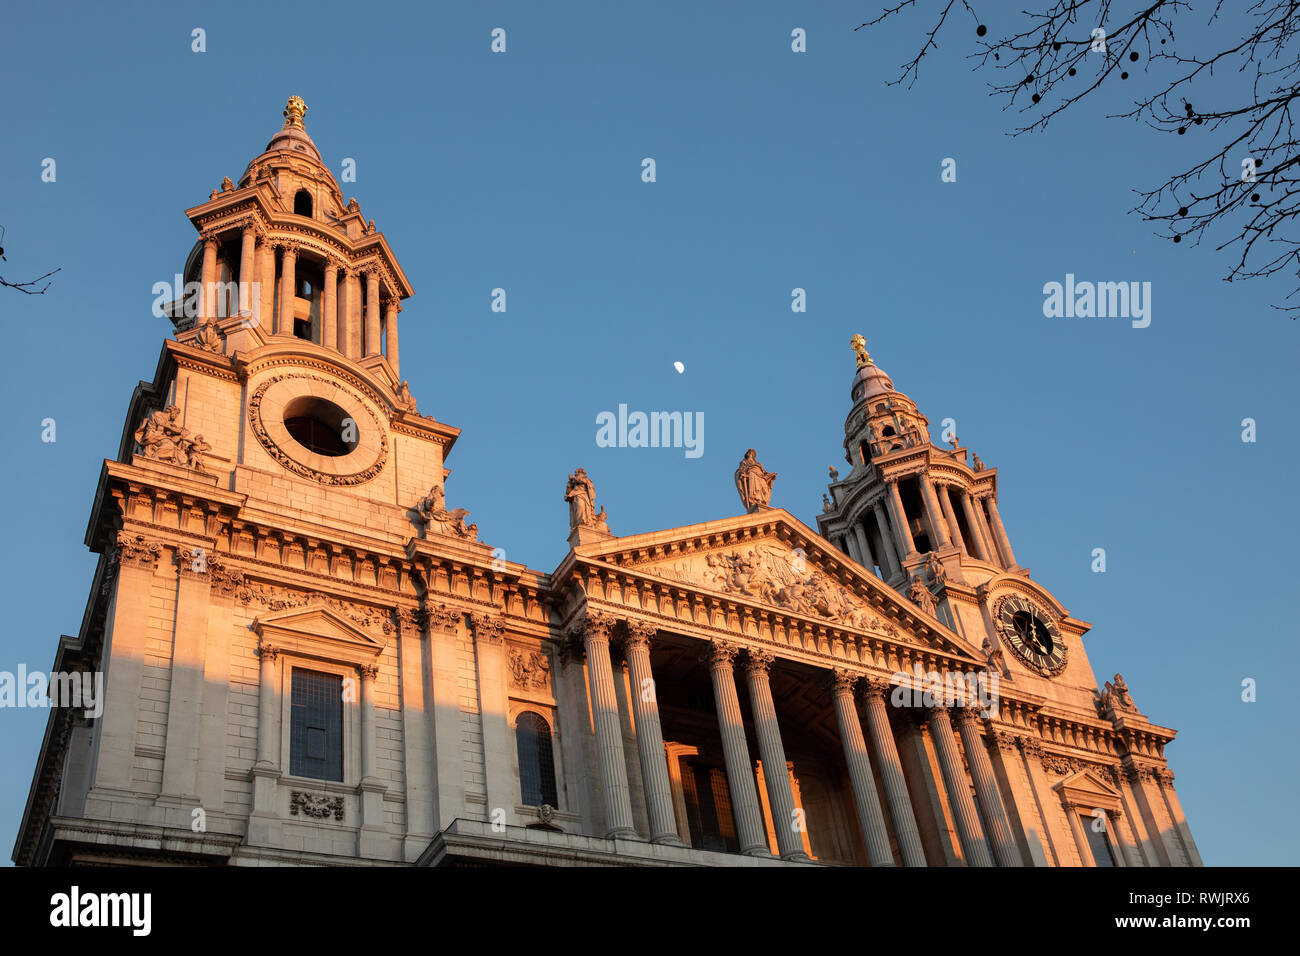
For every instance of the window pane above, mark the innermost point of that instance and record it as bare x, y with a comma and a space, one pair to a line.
536, 762
1097, 841
316, 726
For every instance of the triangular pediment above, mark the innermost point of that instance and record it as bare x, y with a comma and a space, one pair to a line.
1088, 787
317, 630
772, 559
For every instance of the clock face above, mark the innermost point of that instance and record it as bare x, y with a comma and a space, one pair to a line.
1031, 634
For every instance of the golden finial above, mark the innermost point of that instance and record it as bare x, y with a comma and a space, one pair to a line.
860, 349
293, 111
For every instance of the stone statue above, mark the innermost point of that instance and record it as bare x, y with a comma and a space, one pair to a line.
993, 655
826, 503
227, 185
601, 523
1116, 696
580, 493
835, 473
438, 519
938, 575
754, 483
163, 439
404, 395
920, 594
979, 465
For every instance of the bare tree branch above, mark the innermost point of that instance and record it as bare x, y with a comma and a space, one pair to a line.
29, 287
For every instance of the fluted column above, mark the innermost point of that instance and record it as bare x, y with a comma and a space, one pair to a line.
349, 340
288, 289
976, 532
649, 734
945, 502
740, 778
1117, 840
954, 781
247, 268
863, 544
1080, 838
266, 294
266, 724
986, 788
853, 548
594, 630
904, 535
372, 312
891, 773
1001, 532
329, 303
886, 539
870, 816
932, 513
1165, 778
776, 776
390, 326
208, 278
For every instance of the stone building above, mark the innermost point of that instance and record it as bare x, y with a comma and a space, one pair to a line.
309, 657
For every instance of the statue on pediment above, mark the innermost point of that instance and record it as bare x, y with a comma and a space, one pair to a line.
580, 493
1116, 696
754, 482
920, 595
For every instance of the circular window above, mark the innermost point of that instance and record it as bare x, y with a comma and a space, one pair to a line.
320, 426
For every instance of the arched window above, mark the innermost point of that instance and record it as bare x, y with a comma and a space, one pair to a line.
302, 203
536, 761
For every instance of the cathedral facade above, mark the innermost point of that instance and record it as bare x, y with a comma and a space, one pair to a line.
309, 657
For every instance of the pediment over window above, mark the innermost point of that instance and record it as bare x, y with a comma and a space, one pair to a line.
318, 631
1086, 788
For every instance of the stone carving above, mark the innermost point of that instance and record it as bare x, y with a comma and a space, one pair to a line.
920, 594
780, 577
834, 473
529, 670
404, 396
134, 549
207, 337
580, 493
935, 569
1116, 697
826, 503
315, 805
546, 814
979, 465
282, 599
754, 483
488, 628
226, 184
439, 520
859, 345
993, 656
294, 110
162, 438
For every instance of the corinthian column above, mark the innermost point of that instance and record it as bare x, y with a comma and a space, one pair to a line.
288, 289
870, 817
986, 788
390, 325
886, 539
594, 630
329, 304
891, 774
740, 779
904, 533
932, 512
975, 526
1001, 531
207, 295
954, 781
372, 312
649, 734
945, 502
775, 774
247, 268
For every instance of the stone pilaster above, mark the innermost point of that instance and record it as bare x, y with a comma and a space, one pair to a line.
500, 783
442, 707
417, 743
208, 278
185, 697
1165, 781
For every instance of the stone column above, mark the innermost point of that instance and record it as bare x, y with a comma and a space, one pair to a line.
208, 278
986, 788
945, 502
959, 799
350, 336
594, 629
900, 521
976, 534
499, 752
649, 734
863, 544
288, 289
1119, 848
852, 546
247, 268
268, 723
891, 773
740, 779
771, 751
390, 326
870, 817
886, 539
932, 513
329, 304
1080, 838
369, 741
372, 312
1001, 532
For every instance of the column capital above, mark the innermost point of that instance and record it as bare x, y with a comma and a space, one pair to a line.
331, 267
640, 634
1030, 746
720, 654
290, 247
967, 714
1165, 776
209, 238
367, 672
192, 562
759, 661
267, 652
842, 681
134, 550
490, 628
875, 688
442, 618
1008, 743
593, 625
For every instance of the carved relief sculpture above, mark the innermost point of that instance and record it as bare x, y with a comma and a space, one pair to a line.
162, 438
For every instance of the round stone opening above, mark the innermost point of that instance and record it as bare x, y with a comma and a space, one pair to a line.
320, 426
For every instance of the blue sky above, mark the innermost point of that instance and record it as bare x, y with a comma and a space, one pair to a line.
775, 170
